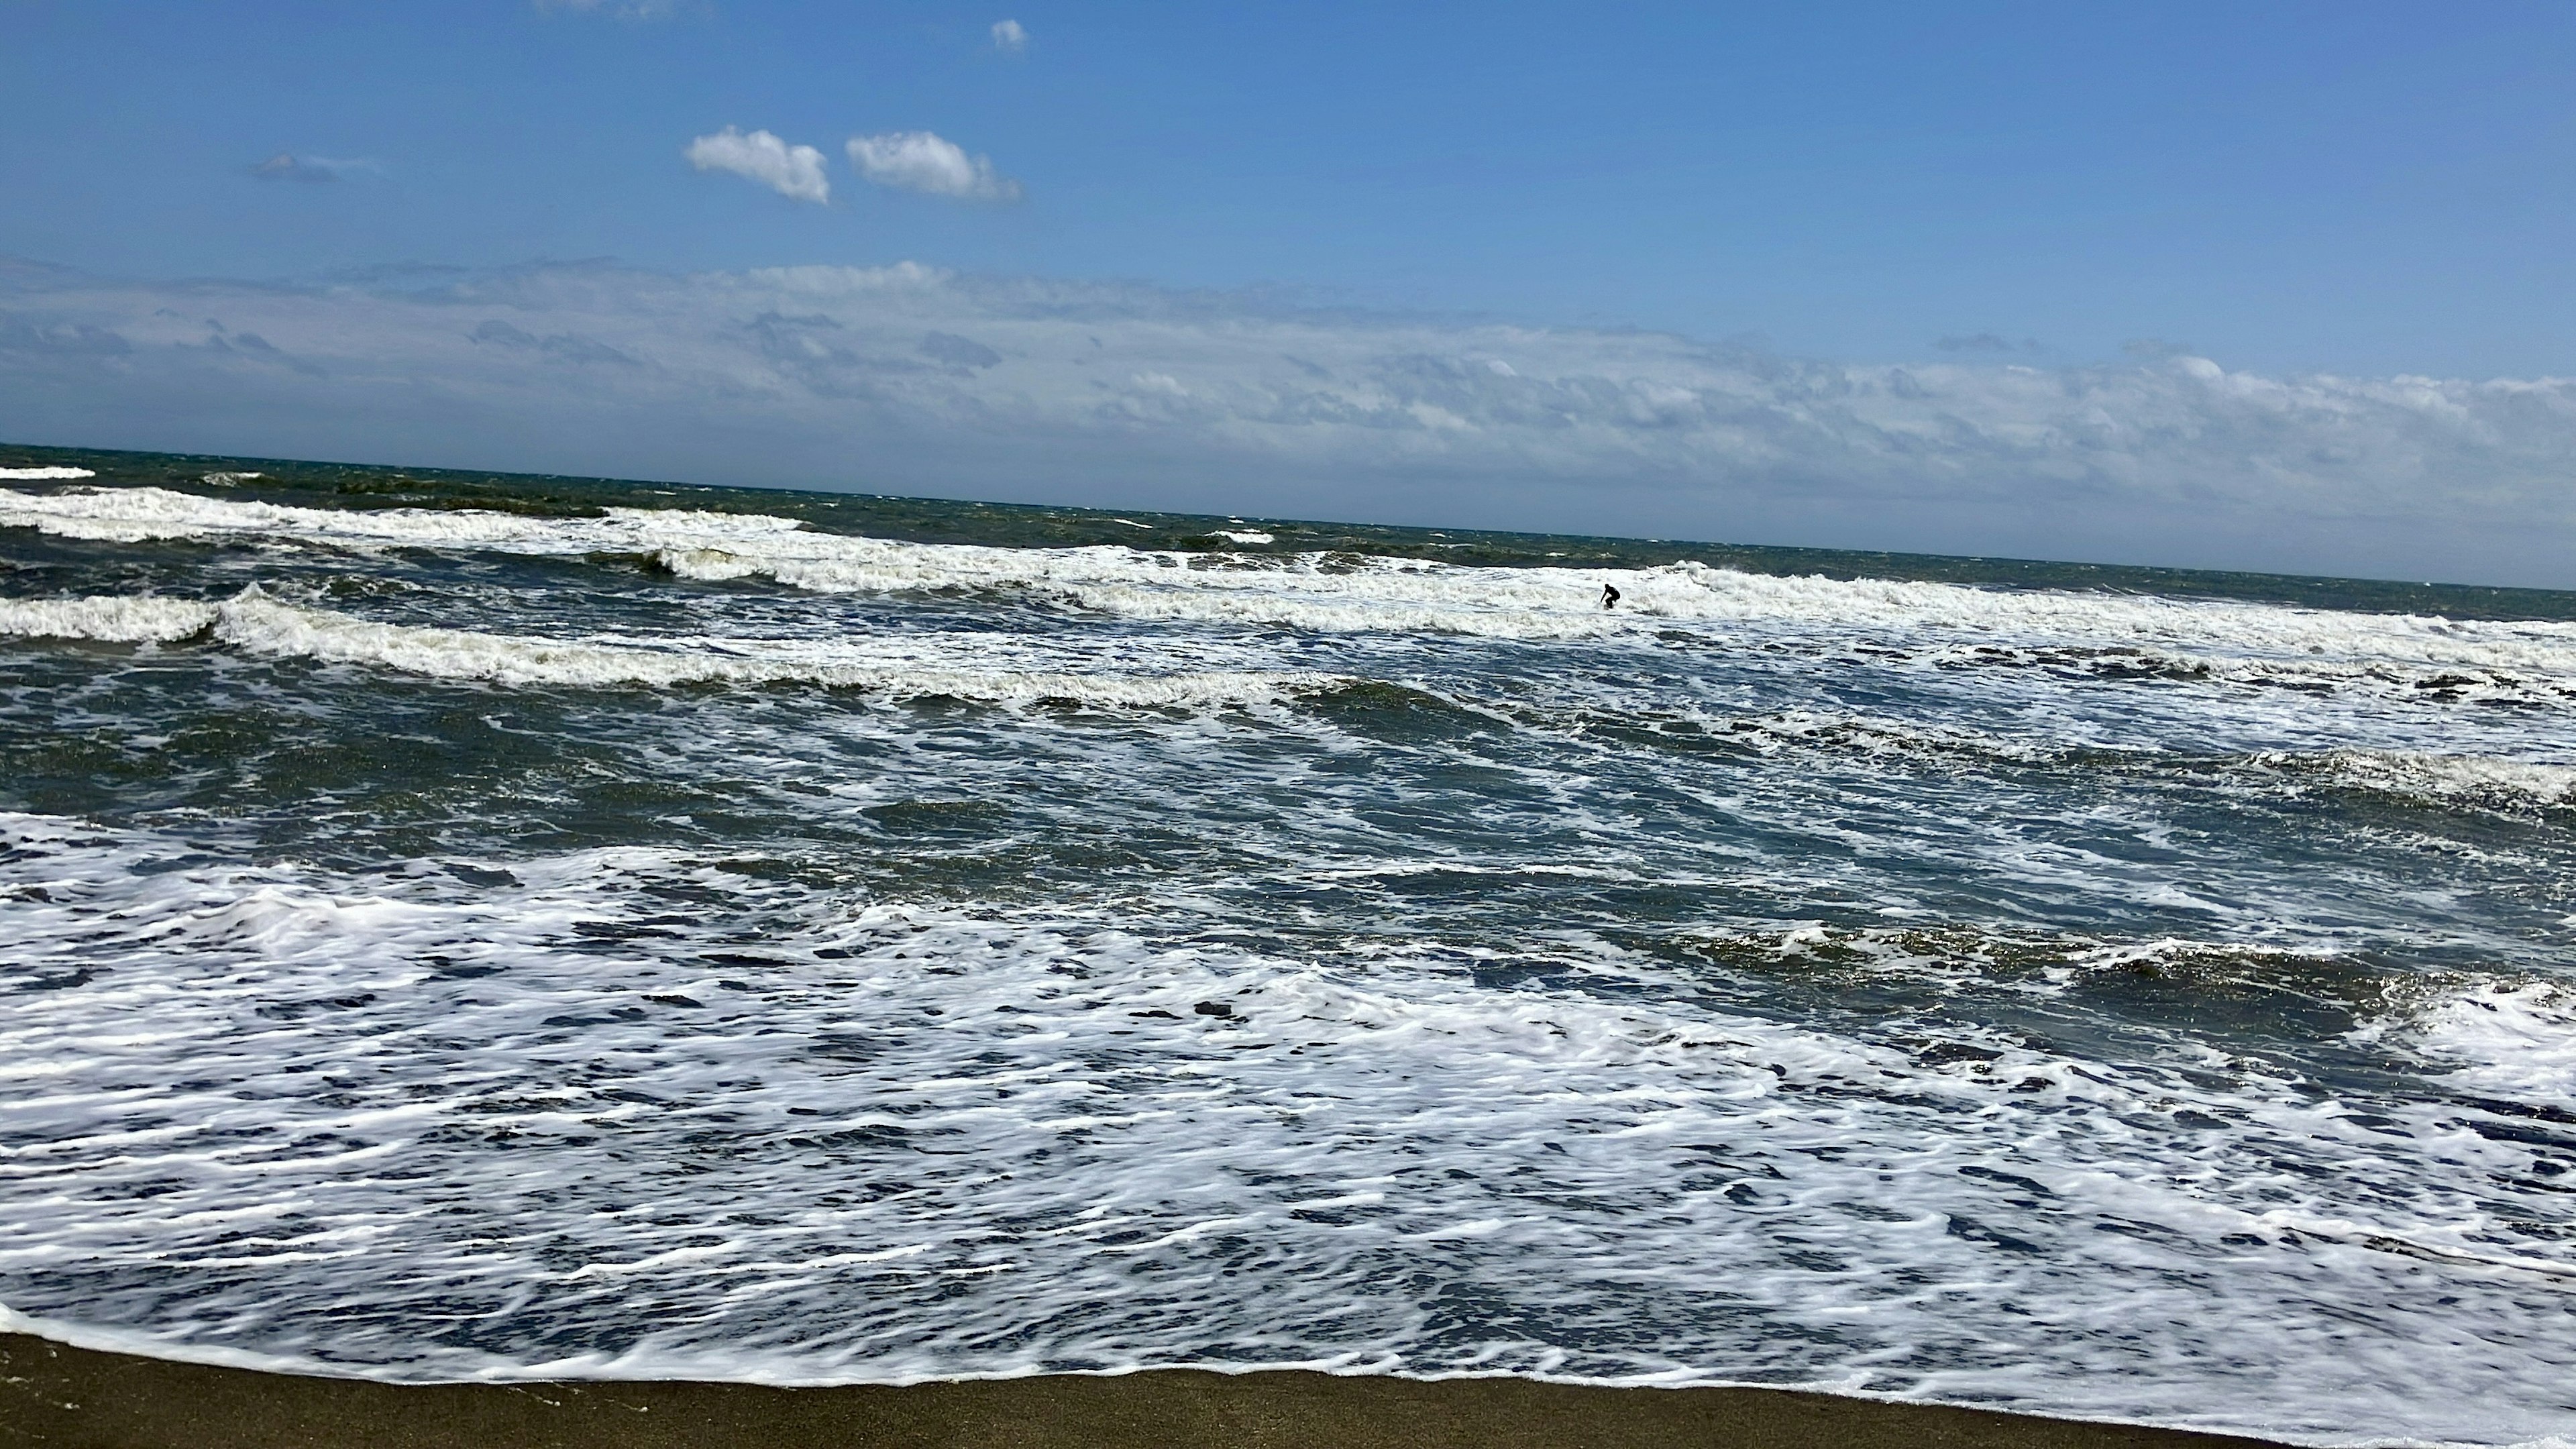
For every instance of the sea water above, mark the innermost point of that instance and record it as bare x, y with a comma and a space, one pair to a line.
457, 927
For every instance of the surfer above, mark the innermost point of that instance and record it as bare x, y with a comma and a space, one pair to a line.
1609, 597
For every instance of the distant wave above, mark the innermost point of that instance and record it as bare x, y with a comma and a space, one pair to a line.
2127, 636
37, 475
258, 624
133, 515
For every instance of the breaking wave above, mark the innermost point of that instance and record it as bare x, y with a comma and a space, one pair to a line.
257, 624
2127, 1005
1958, 625
2510, 1041
2507, 784
138, 620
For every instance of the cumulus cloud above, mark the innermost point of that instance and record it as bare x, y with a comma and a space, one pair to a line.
908, 379
795, 172
921, 161
1010, 36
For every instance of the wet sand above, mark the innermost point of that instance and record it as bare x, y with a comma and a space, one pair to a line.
70, 1398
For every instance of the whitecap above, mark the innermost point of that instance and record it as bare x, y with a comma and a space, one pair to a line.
1956, 624
134, 620
2515, 1041
914, 668
2468, 779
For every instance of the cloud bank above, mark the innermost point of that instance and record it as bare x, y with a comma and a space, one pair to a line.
795, 172
1010, 37
930, 164
906, 379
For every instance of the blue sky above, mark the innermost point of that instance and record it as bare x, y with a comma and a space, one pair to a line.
2369, 188
2367, 191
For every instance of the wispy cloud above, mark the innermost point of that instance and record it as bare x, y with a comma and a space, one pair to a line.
791, 171
286, 167
1135, 396
1010, 37
622, 9
934, 165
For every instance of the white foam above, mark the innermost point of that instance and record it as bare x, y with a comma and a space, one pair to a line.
908, 668
2440, 777
2511, 1041
1332, 593
77, 1334
31, 475
129, 515
129, 620
631, 1113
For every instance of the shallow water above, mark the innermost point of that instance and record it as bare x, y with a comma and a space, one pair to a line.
472, 927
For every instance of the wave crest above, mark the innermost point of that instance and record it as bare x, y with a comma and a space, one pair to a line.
1338, 593
140, 620
256, 623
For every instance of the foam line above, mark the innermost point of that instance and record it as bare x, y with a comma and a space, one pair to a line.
257, 624
135, 620
1338, 594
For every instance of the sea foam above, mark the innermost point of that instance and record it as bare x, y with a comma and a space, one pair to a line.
2131, 1007
1334, 593
836, 1142
134, 620
259, 624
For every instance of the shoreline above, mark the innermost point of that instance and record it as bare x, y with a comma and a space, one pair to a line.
56, 1395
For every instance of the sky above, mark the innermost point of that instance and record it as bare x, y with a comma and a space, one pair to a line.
2282, 286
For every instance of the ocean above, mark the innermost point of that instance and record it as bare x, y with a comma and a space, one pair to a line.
477, 927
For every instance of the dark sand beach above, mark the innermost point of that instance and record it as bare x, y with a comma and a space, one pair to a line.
55, 1395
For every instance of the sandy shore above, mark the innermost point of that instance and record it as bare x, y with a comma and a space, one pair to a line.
69, 1397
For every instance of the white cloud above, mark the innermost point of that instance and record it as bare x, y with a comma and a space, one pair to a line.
622, 9
910, 379
286, 167
1010, 36
921, 161
791, 171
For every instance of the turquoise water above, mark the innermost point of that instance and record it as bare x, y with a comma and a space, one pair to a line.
469, 926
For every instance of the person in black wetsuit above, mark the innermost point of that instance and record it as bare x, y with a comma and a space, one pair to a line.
1609, 597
